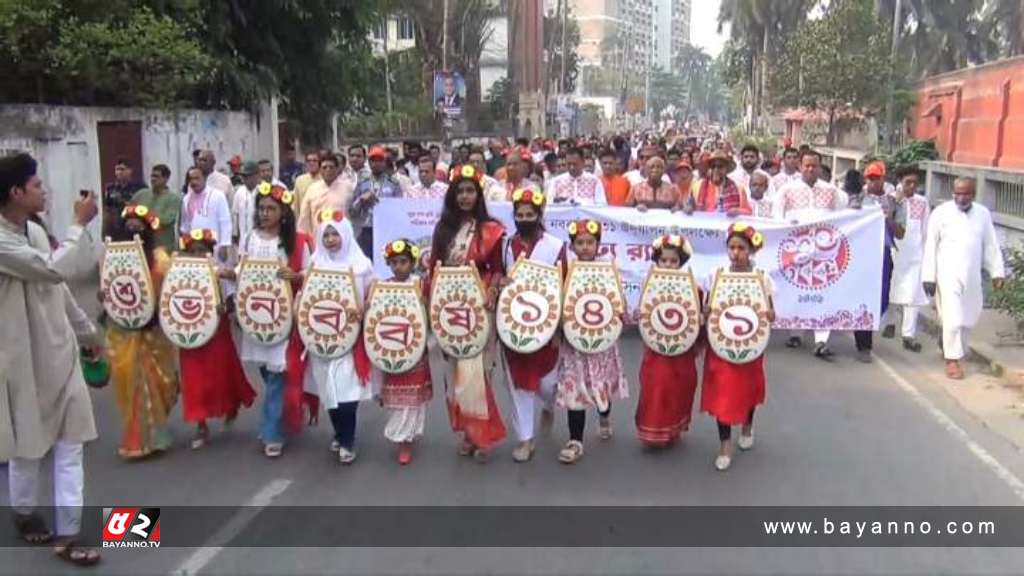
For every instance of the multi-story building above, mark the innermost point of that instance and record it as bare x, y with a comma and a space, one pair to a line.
671, 32
395, 33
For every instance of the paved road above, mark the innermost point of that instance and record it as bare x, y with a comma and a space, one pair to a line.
841, 434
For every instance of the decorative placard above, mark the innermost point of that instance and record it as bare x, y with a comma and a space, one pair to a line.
738, 327
528, 308
593, 308
188, 302
670, 311
457, 314
328, 317
264, 301
395, 328
126, 284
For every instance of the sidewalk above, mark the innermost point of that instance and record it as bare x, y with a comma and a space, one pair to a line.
1003, 360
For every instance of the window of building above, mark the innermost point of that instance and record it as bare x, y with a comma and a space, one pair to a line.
406, 28
378, 30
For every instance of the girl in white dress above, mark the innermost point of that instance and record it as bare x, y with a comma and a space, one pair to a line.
342, 382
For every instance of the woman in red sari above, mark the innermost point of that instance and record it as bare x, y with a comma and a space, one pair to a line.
466, 234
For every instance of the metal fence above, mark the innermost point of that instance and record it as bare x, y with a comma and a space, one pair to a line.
1002, 191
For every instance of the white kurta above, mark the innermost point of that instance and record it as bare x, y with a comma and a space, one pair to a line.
957, 245
43, 397
906, 276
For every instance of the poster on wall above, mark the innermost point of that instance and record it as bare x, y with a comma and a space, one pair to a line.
449, 94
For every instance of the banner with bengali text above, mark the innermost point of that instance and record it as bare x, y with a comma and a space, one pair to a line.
827, 271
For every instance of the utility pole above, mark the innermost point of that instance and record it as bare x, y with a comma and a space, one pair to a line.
444, 37
890, 112
562, 7
387, 65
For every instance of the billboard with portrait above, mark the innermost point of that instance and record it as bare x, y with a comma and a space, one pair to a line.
449, 94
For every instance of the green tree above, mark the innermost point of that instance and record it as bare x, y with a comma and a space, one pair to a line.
553, 47
668, 89
836, 62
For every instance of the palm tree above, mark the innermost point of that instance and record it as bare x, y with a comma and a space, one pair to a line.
943, 35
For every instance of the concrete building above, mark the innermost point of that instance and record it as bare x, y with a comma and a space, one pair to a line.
397, 33
671, 32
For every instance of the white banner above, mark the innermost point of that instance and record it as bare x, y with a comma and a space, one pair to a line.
827, 271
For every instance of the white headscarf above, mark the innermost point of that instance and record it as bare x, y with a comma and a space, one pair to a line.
348, 256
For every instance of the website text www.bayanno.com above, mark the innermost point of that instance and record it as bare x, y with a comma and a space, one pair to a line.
861, 528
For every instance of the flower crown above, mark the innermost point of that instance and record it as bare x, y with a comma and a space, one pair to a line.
755, 238
399, 247
276, 192
466, 171
592, 227
676, 241
534, 197
142, 213
205, 235
330, 214
519, 152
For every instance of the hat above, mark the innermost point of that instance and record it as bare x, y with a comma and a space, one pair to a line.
249, 167
718, 156
875, 169
235, 160
377, 152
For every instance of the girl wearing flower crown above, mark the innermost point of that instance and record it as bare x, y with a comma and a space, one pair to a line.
731, 392
142, 361
587, 380
532, 377
405, 396
667, 383
342, 382
213, 384
280, 365
467, 235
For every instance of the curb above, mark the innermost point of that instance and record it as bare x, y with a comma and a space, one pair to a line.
978, 352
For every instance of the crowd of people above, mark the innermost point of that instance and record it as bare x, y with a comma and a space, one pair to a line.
320, 216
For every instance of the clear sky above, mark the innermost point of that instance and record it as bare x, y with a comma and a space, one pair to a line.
704, 26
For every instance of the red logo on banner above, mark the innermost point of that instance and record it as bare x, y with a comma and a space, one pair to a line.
131, 527
814, 257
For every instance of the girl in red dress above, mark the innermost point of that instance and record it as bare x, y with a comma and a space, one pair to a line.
467, 235
532, 377
213, 384
405, 396
732, 391
667, 383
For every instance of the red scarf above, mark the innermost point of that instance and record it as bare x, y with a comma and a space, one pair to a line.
728, 196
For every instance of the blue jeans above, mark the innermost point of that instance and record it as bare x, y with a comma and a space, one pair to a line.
273, 406
343, 418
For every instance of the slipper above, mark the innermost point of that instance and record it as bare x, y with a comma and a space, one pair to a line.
32, 528
74, 553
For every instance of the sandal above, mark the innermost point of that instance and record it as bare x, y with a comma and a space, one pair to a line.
572, 452
201, 438
466, 448
74, 553
604, 428
32, 528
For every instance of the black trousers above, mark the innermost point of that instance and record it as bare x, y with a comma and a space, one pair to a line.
864, 338
343, 418
725, 430
578, 421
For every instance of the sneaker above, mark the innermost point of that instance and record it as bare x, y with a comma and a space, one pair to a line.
335, 445
794, 342
865, 356
746, 442
346, 456
722, 462
911, 344
523, 452
571, 453
889, 331
604, 428
273, 449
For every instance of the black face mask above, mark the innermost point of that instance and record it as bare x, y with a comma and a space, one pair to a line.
526, 228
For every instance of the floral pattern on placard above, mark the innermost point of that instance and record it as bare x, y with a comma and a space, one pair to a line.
669, 312
327, 311
188, 303
395, 331
264, 302
126, 285
738, 327
457, 314
592, 312
528, 308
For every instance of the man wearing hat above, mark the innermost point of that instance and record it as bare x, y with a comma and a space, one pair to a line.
243, 210
895, 222
716, 192
368, 192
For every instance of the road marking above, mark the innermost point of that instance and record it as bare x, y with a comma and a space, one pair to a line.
986, 457
201, 557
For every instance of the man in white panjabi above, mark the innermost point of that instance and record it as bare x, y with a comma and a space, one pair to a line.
907, 292
960, 242
806, 198
45, 404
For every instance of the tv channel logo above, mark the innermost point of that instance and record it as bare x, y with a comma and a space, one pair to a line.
131, 527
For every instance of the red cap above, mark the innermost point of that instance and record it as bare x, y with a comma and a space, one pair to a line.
875, 170
236, 160
378, 152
